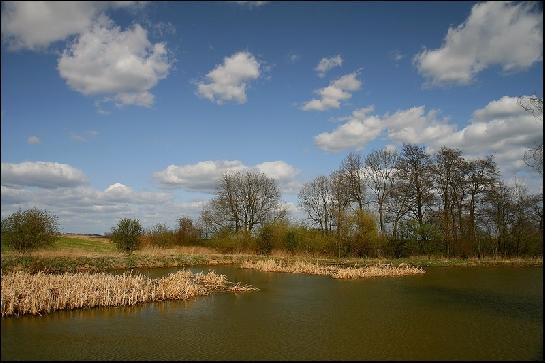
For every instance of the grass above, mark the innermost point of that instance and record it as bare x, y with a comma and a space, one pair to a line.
74, 244
97, 254
337, 272
36, 294
89, 244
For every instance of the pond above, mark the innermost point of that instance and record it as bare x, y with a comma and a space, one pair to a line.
478, 313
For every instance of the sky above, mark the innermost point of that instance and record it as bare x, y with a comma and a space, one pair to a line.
135, 109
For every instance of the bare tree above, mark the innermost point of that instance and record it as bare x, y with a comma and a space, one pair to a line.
316, 200
380, 170
340, 201
415, 171
482, 174
397, 203
449, 173
352, 170
243, 200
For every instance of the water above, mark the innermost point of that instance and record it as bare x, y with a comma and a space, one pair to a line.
490, 313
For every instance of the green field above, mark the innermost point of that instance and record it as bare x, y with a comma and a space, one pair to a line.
76, 244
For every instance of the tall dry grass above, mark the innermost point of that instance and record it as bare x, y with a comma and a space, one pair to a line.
25, 293
336, 272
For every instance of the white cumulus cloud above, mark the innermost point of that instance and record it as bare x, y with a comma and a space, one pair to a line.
328, 63
204, 175
332, 95
501, 33
358, 130
501, 128
125, 65
228, 81
42, 174
36, 24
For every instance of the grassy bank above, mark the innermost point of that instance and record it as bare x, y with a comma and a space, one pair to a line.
25, 293
94, 254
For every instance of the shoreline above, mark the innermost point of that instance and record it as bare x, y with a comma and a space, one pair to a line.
86, 262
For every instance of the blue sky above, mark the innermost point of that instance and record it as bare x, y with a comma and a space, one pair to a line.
123, 93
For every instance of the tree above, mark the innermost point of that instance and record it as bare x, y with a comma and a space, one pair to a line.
364, 235
159, 235
481, 177
316, 200
449, 173
414, 169
380, 172
187, 233
340, 201
352, 171
243, 201
29, 229
126, 235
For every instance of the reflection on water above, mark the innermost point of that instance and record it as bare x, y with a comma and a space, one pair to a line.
447, 313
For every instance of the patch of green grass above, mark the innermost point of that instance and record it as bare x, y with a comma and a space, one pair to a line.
74, 244
79, 244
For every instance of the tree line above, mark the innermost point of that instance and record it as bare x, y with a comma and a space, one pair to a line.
387, 203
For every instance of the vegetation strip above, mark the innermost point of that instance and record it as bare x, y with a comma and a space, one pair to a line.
333, 271
25, 293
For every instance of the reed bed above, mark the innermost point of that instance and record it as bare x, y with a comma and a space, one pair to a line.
25, 293
381, 270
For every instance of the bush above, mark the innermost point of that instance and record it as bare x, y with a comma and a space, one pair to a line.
291, 242
29, 229
126, 235
265, 240
365, 240
187, 234
159, 235
227, 241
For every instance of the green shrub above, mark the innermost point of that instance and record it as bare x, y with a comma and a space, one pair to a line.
291, 242
227, 241
364, 240
126, 235
265, 240
29, 229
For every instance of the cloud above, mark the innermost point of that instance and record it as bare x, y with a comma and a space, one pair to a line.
252, 4
332, 95
204, 175
88, 210
201, 176
283, 173
36, 24
328, 63
293, 57
84, 136
33, 140
501, 128
360, 128
228, 81
396, 56
418, 126
124, 65
42, 174
495, 33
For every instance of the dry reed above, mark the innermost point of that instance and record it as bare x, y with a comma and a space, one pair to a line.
25, 293
333, 271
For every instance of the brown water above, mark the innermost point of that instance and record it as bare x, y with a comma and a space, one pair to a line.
448, 313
